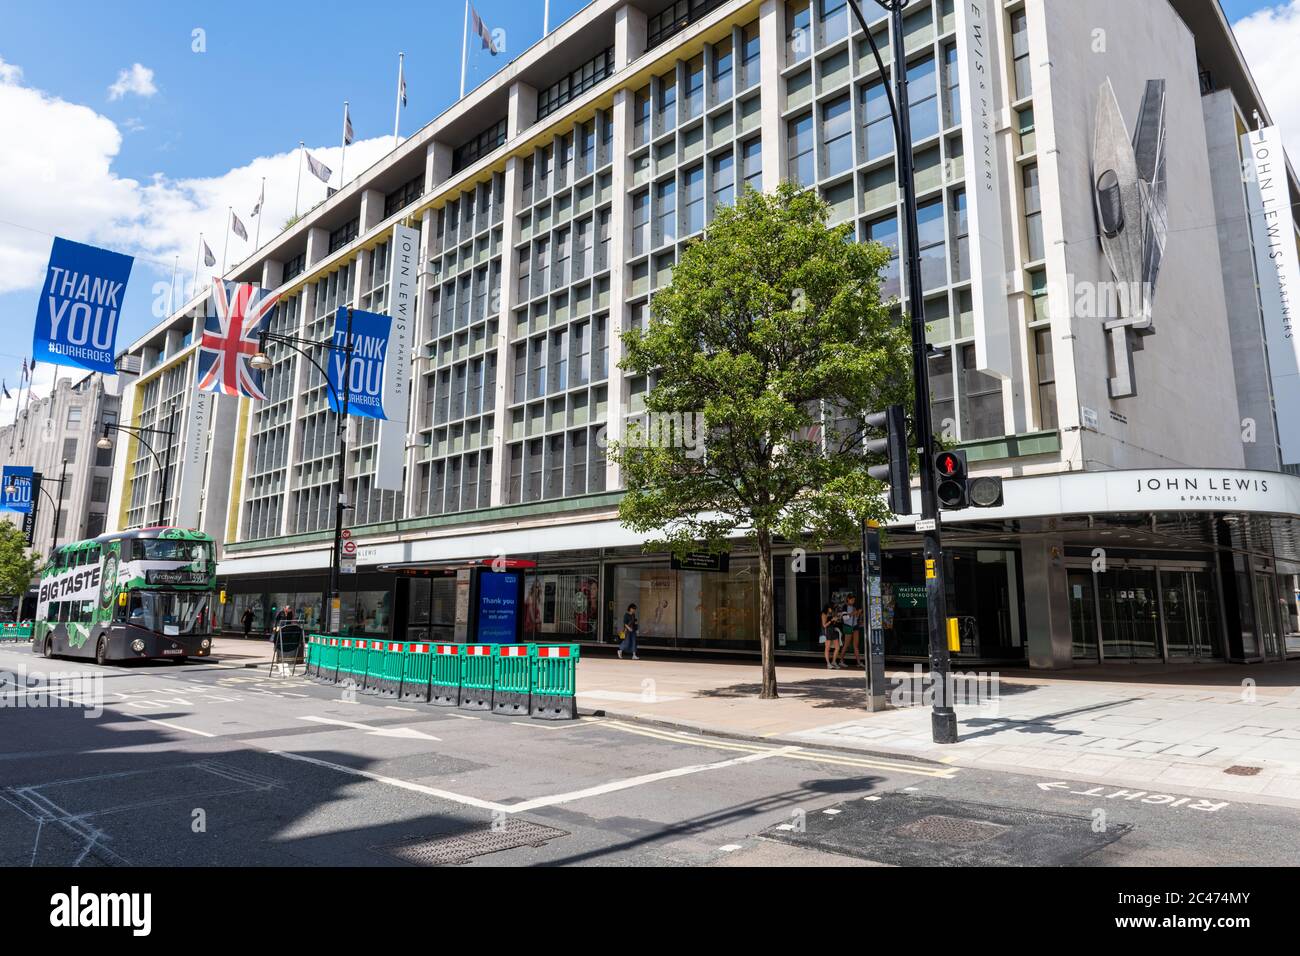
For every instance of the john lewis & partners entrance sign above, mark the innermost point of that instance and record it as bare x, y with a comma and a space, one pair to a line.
76, 322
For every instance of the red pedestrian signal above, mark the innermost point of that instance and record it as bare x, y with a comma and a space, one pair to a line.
950, 480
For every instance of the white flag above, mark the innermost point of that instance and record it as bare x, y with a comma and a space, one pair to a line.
238, 226
318, 169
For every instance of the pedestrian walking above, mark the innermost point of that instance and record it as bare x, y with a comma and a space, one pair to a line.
247, 620
830, 636
631, 624
851, 618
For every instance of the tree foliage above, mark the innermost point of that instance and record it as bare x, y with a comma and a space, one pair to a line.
17, 568
773, 339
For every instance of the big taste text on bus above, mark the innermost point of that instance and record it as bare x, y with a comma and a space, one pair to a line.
129, 596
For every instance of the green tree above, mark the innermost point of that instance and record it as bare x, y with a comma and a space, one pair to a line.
773, 340
17, 568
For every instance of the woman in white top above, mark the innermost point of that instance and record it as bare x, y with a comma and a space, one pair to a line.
851, 617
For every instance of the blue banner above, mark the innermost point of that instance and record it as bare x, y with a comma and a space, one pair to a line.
498, 608
370, 332
76, 322
17, 489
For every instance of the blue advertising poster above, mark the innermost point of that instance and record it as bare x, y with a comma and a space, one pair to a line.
498, 608
76, 321
369, 352
17, 489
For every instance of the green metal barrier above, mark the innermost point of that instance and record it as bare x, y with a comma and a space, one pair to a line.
329, 658
554, 681
444, 677
511, 679
376, 655
352, 662
14, 633
388, 681
309, 654
476, 675
417, 672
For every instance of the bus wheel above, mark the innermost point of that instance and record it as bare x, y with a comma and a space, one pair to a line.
101, 652
47, 649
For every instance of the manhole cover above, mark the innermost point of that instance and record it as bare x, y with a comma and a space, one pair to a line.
939, 828
463, 847
1240, 771
915, 829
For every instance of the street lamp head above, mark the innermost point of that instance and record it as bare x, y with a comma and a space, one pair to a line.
260, 361
104, 442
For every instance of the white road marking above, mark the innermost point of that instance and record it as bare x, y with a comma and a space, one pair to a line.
616, 785
730, 848
394, 782
462, 716
395, 707
406, 733
569, 725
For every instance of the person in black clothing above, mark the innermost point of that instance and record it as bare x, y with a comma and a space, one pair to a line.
247, 621
631, 624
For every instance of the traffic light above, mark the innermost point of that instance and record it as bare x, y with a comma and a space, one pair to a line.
950, 480
956, 489
896, 471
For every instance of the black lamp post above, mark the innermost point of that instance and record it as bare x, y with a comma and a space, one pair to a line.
261, 362
943, 720
164, 466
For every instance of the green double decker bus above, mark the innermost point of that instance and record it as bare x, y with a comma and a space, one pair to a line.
131, 596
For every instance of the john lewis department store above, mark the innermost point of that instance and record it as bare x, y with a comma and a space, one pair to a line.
552, 202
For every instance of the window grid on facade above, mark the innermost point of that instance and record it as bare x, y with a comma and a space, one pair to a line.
559, 321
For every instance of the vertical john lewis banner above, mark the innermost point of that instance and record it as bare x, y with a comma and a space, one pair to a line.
1277, 264
404, 260
76, 321
194, 456
984, 199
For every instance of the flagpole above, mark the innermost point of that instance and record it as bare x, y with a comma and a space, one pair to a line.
230, 211
261, 198
546, 18
198, 256
397, 112
171, 295
343, 159
464, 49
298, 191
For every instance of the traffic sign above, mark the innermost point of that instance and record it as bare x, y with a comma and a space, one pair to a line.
348, 564
349, 549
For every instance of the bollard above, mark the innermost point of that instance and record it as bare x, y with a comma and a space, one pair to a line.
554, 681
417, 672
444, 678
476, 677
511, 676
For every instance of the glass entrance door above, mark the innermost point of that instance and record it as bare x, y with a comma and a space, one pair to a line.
1191, 612
1083, 615
1266, 608
1130, 614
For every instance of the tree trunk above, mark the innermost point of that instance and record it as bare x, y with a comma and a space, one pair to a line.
766, 635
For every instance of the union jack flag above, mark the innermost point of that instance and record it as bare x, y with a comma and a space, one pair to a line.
237, 312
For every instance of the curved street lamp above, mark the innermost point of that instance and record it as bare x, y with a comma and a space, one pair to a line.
164, 467
261, 362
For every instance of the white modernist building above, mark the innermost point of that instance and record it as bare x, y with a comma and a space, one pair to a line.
1091, 287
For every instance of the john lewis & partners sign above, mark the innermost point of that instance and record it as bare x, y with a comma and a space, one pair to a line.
76, 322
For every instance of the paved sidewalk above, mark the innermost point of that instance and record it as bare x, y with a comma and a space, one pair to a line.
1156, 728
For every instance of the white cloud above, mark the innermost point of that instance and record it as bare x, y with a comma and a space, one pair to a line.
137, 79
9, 73
61, 182
1269, 39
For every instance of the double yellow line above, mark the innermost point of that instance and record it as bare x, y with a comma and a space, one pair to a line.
811, 756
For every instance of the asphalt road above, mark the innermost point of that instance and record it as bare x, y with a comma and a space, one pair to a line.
206, 764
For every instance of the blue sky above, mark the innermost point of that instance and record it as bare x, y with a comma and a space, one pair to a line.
192, 132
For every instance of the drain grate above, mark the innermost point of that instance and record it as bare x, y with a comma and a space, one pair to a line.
940, 828
508, 834
1237, 770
